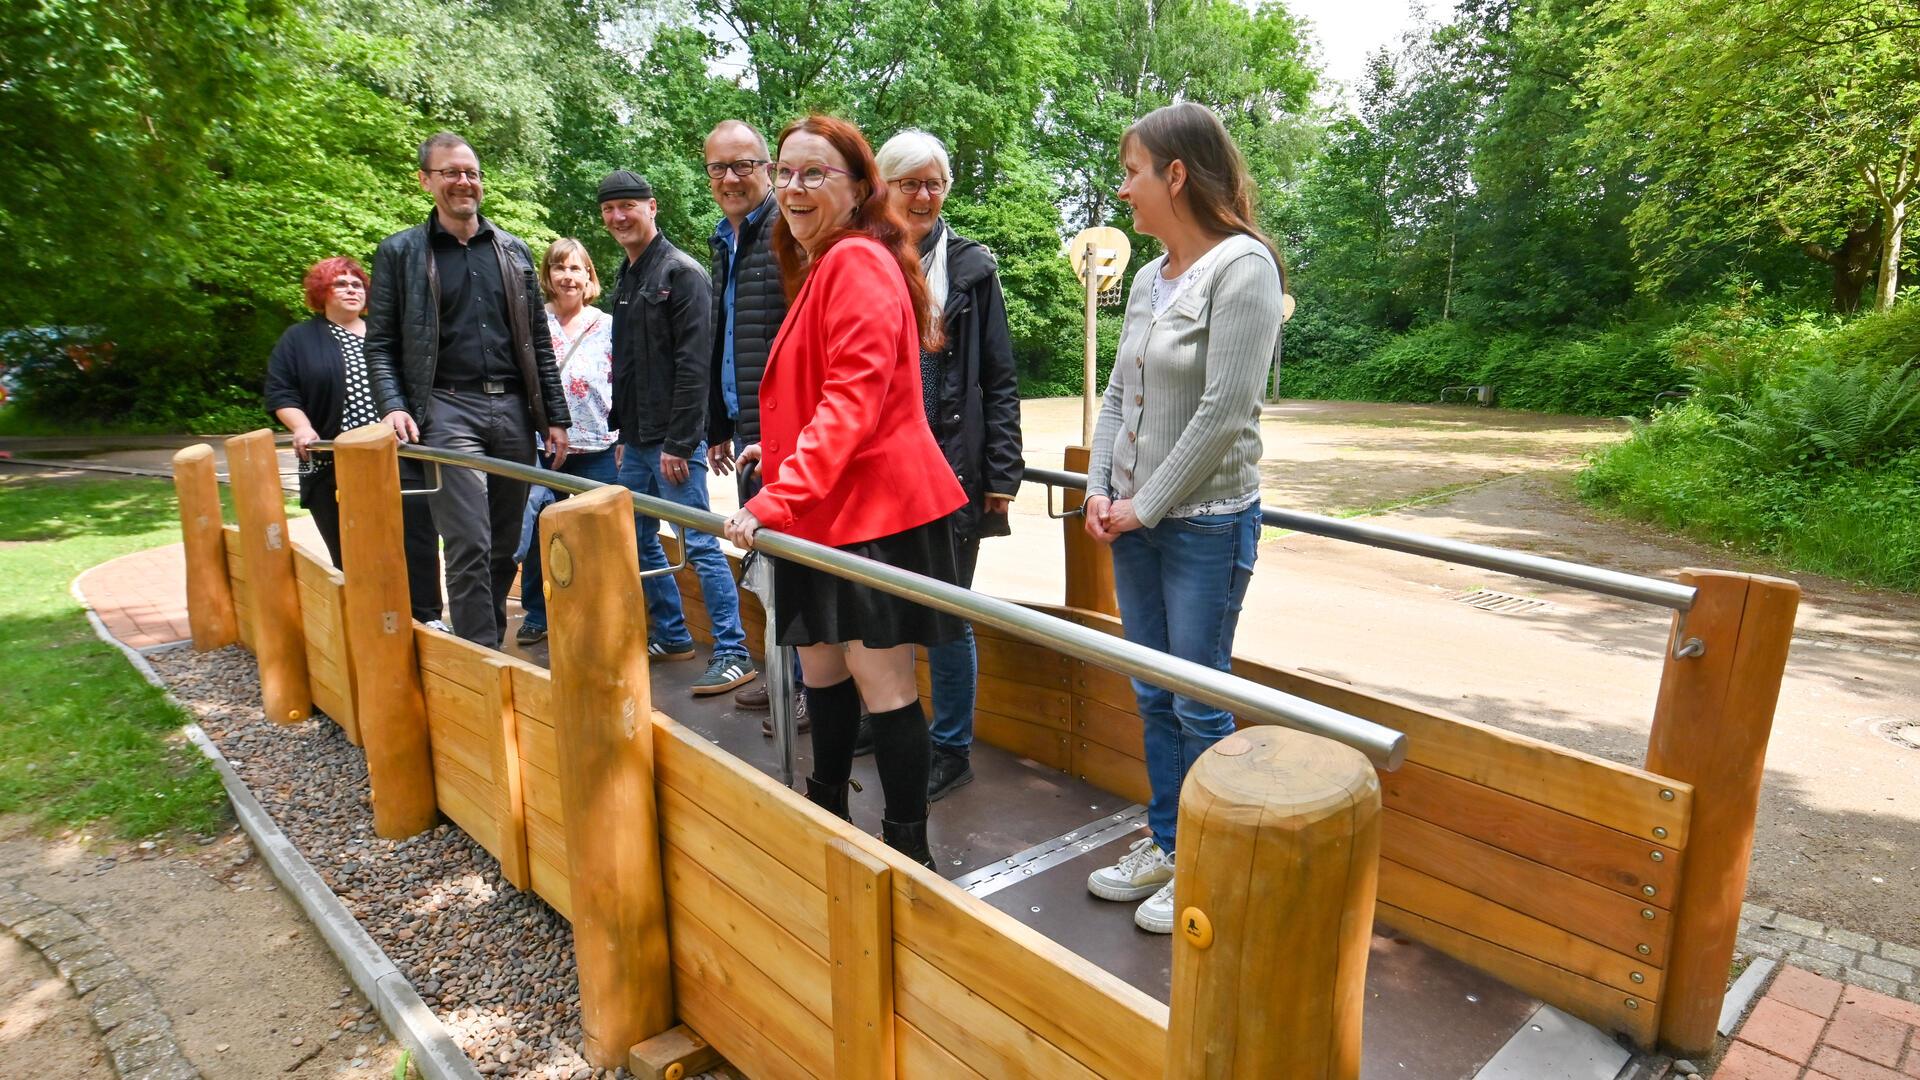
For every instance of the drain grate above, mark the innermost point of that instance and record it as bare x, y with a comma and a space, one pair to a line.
1901, 731
1503, 603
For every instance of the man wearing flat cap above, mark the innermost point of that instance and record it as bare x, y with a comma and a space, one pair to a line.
662, 341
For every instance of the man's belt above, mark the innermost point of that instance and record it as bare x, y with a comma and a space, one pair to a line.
479, 386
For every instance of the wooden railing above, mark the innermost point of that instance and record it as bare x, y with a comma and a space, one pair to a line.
700, 889
798, 946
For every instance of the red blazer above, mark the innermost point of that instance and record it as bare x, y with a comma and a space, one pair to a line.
845, 449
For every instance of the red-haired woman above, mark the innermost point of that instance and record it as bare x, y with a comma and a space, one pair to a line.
849, 461
317, 386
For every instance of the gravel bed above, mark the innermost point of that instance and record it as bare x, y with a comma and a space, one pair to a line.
495, 963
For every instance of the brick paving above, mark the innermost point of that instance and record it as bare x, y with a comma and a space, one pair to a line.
1810, 1027
142, 597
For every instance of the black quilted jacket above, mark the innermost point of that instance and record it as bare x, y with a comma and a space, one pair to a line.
760, 305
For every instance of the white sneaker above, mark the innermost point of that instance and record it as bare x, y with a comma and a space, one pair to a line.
1155, 914
438, 624
1143, 869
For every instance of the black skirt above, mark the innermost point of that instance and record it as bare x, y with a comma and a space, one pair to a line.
812, 607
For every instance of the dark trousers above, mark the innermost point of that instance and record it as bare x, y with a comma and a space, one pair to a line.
479, 514
319, 493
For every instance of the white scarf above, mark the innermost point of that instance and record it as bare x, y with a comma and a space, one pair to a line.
934, 264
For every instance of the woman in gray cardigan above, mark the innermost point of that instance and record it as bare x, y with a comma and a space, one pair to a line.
1174, 483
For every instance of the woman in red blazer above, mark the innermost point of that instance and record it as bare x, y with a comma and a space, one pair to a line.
849, 461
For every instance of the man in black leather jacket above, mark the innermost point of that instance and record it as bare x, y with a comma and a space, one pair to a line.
459, 357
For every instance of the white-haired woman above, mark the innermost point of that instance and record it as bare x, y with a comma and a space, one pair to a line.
971, 393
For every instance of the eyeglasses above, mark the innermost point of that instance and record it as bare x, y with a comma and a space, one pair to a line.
349, 285
454, 176
910, 187
742, 168
810, 177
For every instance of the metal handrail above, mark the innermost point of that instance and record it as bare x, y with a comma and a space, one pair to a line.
1644, 590
1247, 700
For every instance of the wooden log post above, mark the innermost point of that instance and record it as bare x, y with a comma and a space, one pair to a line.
1710, 729
603, 723
1089, 563
377, 614
860, 935
202, 532
1279, 858
279, 636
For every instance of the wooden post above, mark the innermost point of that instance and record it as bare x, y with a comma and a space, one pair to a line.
279, 637
860, 933
1710, 729
603, 723
377, 615
1279, 860
1089, 563
202, 531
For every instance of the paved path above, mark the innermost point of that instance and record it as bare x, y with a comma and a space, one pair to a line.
1809, 1027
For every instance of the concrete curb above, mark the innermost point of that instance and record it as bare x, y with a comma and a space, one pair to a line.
435, 1053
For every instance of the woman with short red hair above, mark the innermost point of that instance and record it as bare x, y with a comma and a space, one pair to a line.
317, 386
849, 461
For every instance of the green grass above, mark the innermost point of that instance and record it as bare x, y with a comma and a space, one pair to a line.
83, 738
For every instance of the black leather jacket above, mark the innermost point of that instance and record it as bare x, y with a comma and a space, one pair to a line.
403, 328
662, 335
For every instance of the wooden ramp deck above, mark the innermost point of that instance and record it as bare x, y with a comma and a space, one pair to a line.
1428, 1016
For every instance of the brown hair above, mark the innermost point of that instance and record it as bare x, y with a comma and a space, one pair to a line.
560, 249
874, 216
1219, 189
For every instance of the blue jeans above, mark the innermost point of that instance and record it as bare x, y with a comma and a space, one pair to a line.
953, 671
1180, 585
640, 472
598, 465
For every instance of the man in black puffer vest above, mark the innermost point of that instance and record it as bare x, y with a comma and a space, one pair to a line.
749, 303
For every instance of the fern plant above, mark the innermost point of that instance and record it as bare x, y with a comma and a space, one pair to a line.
1847, 415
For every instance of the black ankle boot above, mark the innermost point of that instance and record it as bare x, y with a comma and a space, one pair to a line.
833, 799
909, 838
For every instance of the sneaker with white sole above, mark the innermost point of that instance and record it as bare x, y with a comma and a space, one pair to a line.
1155, 913
660, 650
438, 624
725, 672
1141, 871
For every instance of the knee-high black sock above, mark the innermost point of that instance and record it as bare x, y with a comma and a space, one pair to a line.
835, 711
900, 749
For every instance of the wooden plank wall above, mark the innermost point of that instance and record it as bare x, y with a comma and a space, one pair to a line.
474, 731
746, 865
322, 609
242, 590
540, 786
1552, 869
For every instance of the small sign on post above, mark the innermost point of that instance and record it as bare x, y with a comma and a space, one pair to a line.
1098, 256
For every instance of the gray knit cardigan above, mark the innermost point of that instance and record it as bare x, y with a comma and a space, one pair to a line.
1180, 422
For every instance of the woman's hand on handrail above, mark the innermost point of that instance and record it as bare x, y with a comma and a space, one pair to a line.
741, 527
1095, 518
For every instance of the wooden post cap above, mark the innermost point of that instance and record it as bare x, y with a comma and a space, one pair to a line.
1278, 857
196, 452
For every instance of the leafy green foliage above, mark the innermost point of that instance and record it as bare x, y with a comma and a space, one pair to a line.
1805, 448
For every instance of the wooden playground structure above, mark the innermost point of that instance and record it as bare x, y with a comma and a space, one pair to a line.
704, 893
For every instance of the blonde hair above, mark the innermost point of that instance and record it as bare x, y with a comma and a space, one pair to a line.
559, 250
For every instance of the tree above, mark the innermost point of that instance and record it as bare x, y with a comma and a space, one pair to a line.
1749, 118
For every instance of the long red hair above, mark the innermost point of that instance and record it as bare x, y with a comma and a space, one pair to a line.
874, 216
